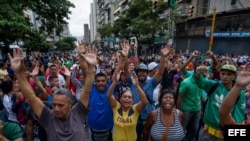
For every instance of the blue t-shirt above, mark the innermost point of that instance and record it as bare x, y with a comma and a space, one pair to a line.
100, 115
148, 88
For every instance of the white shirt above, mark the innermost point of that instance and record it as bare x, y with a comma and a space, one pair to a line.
8, 105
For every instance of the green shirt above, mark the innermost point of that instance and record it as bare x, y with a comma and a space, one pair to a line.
187, 74
12, 131
191, 100
211, 115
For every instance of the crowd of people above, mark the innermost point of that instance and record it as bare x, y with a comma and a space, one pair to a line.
121, 97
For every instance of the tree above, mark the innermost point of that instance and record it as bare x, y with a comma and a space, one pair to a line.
52, 14
105, 31
37, 42
14, 26
140, 20
121, 28
66, 44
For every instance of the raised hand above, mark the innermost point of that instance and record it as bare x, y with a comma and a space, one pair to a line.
125, 49
209, 53
196, 53
17, 62
166, 50
243, 75
116, 76
134, 79
81, 49
201, 70
66, 71
35, 71
90, 57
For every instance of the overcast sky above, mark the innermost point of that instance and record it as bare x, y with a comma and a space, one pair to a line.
79, 16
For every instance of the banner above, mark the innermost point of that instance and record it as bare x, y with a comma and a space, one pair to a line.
231, 34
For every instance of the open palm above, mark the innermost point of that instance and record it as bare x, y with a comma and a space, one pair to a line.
243, 75
90, 58
125, 49
35, 71
16, 61
166, 50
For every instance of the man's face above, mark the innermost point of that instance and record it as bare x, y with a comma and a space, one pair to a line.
108, 71
101, 82
53, 70
142, 75
61, 106
226, 76
55, 81
169, 65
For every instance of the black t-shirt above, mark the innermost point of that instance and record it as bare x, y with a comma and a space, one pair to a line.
38, 130
167, 79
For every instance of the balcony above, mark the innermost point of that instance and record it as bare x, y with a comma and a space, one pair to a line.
123, 2
117, 11
124, 9
116, 18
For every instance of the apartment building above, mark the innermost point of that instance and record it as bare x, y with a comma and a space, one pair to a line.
93, 21
86, 33
231, 26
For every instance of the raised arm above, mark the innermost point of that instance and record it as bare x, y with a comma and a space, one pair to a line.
88, 61
143, 98
213, 57
123, 59
115, 79
73, 78
17, 64
190, 59
164, 54
242, 80
34, 75
136, 56
67, 74
123, 55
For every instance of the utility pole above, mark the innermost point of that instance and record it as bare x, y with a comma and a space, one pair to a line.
212, 30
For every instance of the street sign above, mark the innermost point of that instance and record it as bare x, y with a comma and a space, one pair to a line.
111, 39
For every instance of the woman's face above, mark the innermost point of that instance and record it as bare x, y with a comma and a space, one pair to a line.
126, 99
167, 101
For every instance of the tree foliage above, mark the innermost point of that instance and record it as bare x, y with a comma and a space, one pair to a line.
66, 44
14, 26
142, 21
105, 31
52, 14
36, 42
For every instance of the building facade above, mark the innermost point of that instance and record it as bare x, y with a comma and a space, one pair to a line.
231, 27
86, 33
93, 21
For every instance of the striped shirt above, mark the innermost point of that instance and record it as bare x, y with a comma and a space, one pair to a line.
175, 133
